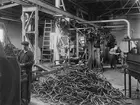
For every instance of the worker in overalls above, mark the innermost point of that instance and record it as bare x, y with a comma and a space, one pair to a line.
113, 56
26, 60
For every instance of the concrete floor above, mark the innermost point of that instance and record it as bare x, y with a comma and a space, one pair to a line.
117, 80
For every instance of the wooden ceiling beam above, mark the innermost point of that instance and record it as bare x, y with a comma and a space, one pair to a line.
45, 8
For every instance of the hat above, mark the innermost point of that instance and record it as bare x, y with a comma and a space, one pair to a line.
25, 43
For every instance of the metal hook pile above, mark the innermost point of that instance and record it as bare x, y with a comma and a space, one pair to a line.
79, 86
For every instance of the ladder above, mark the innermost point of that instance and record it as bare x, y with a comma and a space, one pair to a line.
46, 51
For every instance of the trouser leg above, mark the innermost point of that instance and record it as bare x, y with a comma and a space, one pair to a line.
111, 61
24, 92
29, 87
114, 60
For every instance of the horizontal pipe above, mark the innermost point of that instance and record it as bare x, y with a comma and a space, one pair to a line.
120, 26
114, 20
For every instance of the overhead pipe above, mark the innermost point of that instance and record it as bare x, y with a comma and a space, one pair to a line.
114, 20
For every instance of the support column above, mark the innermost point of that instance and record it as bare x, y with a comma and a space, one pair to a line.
30, 29
36, 47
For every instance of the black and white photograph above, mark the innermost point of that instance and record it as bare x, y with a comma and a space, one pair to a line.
69, 52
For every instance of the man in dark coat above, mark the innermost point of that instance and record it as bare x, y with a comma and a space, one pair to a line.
26, 60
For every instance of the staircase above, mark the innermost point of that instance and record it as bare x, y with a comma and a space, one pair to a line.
46, 52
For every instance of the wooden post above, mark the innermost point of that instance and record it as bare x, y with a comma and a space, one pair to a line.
36, 36
26, 28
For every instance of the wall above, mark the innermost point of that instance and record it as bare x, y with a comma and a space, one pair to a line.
14, 32
135, 28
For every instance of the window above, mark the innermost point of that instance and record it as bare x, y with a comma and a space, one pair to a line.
1, 35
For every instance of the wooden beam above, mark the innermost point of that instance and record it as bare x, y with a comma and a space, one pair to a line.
8, 6
54, 10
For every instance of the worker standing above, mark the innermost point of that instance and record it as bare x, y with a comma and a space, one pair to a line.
113, 56
26, 60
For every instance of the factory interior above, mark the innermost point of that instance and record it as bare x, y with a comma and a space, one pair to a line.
69, 52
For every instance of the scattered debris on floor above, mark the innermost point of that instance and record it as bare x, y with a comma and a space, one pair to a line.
77, 86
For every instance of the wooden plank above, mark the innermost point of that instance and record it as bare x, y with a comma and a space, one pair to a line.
41, 67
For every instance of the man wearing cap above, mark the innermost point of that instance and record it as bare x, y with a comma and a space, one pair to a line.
26, 60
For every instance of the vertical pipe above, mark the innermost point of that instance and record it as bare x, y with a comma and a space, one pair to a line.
57, 35
57, 3
77, 43
36, 36
129, 76
125, 81
23, 25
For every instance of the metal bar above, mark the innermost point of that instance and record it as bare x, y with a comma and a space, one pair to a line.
83, 9
8, 6
129, 76
138, 6
115, 20
63, 5
123, 8
77, 43
94, 1
23, 25
125, 81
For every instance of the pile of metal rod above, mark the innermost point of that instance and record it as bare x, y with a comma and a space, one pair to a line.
77, 86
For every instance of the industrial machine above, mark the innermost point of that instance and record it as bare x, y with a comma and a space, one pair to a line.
133, 61
10, 79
